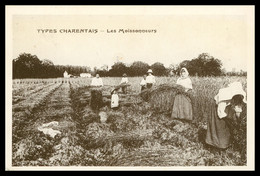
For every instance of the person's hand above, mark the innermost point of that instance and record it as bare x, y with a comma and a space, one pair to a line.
238, 109
189, 90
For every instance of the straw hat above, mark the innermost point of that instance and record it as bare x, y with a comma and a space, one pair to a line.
150, 71
116, 88
124, 74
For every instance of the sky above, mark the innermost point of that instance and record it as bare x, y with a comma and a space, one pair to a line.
178, 37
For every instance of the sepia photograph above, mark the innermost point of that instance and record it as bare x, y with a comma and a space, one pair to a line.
130, 87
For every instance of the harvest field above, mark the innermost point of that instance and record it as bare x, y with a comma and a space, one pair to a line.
137, 134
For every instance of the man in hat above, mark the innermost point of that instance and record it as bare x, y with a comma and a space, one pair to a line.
123, 83
150, 79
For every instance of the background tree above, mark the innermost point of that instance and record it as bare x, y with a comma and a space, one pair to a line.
213, 67
203, 65
48, 69
158, 69
103, 71
118, 69
27, 66
138, 68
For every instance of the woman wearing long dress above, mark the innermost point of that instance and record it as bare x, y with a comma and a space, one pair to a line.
182, 107
228, 110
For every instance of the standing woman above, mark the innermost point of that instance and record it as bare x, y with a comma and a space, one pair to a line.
124, 82
96, 100
182, 108
228, 110
150, 79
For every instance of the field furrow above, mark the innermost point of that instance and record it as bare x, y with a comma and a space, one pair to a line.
28, 93
32, 136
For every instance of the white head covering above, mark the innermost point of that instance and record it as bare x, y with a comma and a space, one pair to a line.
227, 93
186, 72
184, 80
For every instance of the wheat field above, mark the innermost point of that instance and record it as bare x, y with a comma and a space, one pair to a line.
134, 135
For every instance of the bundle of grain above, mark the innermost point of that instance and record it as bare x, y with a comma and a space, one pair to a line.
95, 135
162, 97
97, 130
117, 121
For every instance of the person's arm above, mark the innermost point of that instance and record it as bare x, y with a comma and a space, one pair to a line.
154, 79
178, 81
189, 85
101, 82
142, 83
92, 82
222, 110
147, 79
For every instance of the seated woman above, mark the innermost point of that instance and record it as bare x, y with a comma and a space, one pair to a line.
182, 108
227, 112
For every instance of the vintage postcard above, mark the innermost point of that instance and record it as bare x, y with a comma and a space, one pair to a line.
130, 88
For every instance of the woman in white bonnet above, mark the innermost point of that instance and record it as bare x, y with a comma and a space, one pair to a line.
227, 112
184, 79
182, 108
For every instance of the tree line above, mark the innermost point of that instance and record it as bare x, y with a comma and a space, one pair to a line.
30, 66
27, 65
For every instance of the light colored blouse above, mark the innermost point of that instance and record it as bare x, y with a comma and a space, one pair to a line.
96, 82
114, 101
124, 80
150, 79
185, 82
143, 82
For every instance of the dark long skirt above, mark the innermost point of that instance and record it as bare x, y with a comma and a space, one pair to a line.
218, 130
96, 100
182, 108
124, 89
